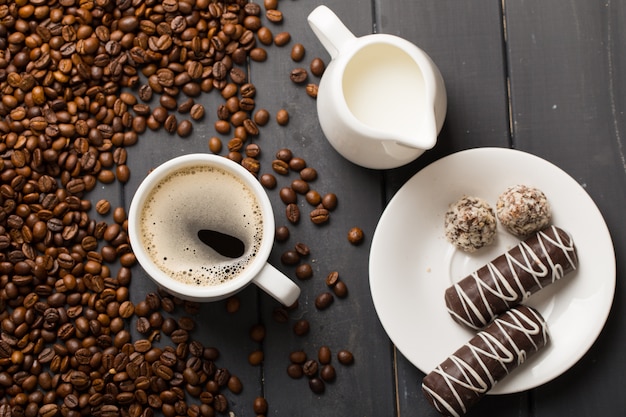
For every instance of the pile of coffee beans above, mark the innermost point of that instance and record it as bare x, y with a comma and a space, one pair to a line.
80, 82
319, 371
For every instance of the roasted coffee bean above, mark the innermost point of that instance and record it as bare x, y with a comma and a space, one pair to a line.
340, 289
345, 357
332, 278
297, 52
295, 371
282, 38
313, 197
282, 117
282, 233
329, 201
312, 90
298, 75
293, 213
274, 16
310, 368
304, 271
103, 207
280, 167
268, 181
235, 385
328, 373
308, 174
324, 300
324, 355
317, 385
257, 333
300, 186
184, 128
255, 358
301, 327
302, 249
288, 195
319, 215
215, 144
317, 67
284, 154
197, 112
355, 235
261, 117
290, 257
297, 164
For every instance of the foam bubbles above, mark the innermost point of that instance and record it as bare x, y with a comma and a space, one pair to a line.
200, 198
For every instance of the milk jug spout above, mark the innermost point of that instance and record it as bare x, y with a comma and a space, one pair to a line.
423, 138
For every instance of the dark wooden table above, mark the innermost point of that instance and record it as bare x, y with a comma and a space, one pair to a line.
537, 76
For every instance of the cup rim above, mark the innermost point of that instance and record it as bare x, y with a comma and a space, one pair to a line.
188, 291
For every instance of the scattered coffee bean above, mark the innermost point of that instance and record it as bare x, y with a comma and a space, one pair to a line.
298, 75
310, 368
261, 117
282, 117
282, 233
313, 197
297, 52
103, 207
301, 327
282, 38
329, 201
319, 216
284, 154
295, 371
255, 358
324, 355
290, 257
317, 67
268, 181
232, 304
298, 356
328, 373
302, 249
312, 90
332, 278
345, 357
340, 289
288, 195
355, 235
280, 167
308, 174
297, 164
324, 300
317, 385
293, 213
257, 333
300, 186
260, 405
304, 271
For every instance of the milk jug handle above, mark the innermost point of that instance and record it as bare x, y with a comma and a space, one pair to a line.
329, 29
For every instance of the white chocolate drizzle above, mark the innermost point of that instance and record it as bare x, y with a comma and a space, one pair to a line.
507, 343
508, 287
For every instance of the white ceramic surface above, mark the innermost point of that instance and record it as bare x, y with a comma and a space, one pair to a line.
260, 272
381, 100
412, 264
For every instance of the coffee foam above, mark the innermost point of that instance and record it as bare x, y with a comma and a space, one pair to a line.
192, 199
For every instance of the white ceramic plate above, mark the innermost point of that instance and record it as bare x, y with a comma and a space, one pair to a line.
412, 264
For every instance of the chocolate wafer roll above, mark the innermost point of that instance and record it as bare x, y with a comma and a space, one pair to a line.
512, 277
468, 374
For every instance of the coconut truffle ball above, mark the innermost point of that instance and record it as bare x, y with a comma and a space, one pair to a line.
523, 210
470, 224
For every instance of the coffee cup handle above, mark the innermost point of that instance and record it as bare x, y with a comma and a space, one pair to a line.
276, 284
329, 29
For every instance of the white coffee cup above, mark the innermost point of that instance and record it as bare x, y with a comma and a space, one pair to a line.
205, 192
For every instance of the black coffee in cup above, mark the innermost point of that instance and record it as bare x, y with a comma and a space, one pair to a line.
201, 225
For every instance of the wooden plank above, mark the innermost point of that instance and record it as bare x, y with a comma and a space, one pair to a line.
566, 94
349, 323
465, 41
